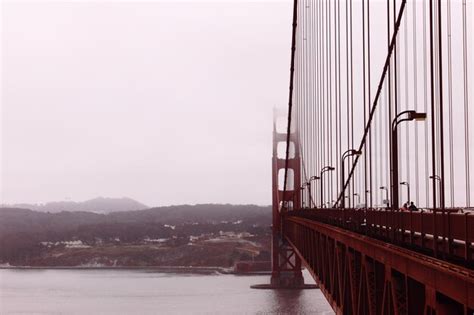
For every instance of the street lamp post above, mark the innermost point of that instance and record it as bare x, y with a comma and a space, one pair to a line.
386, 195
358, 198
302, 195
311, 202
411, 115
408, 189
345, 155
437, 178
441, 201
368, 192
324, 170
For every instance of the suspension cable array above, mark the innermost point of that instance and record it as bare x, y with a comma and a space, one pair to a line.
362, 74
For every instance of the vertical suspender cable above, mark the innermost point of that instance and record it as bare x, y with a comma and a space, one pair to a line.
321, 87
330, 106
328, 91
364, 98
339, 76
337, 101
415, 100
389, 187
339, 119
466, 105
433, 118
407, 102
441, 110
347, 85
450, 99
395, 79
425, 103
351, 192
368, 103
318, 93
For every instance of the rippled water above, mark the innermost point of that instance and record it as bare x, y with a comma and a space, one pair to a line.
147, 292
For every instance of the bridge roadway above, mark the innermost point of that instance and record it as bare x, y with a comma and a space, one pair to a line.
387, 262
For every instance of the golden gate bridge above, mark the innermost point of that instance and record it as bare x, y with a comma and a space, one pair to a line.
371, 179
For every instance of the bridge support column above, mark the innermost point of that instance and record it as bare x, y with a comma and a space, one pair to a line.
286, 264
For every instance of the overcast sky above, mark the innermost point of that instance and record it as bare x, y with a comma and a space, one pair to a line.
164, 102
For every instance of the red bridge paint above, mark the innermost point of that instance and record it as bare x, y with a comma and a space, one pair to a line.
369, 261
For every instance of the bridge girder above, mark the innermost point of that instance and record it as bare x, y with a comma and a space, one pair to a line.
362, 275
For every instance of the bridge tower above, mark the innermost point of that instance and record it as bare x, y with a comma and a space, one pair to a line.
286, 264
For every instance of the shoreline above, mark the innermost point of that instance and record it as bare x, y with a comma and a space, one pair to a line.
162, 269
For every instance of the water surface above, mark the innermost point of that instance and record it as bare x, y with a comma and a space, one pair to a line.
147, 292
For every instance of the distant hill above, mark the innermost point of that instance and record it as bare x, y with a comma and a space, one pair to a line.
96, 205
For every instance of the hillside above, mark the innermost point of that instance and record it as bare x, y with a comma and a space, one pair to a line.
32, 238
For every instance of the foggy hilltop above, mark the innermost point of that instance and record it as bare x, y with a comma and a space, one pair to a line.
96, 205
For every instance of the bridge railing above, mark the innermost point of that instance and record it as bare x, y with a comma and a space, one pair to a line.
446, 235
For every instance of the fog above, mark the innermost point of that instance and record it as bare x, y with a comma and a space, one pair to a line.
164, 102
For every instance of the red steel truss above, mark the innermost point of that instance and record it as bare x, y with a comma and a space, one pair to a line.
359, 274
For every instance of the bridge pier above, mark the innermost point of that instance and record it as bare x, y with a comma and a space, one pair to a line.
286, 268
286, 265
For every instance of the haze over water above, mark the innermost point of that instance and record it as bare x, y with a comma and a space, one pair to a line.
147, 292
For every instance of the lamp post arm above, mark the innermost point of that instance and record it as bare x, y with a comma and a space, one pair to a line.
404, 112
347, 153
395, 123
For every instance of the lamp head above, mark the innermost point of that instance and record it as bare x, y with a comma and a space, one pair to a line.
403, 183
413, 115
327, 168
